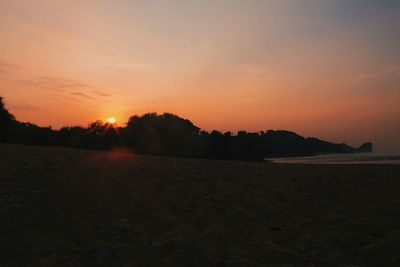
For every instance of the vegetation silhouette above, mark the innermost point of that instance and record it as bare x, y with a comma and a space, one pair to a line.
7, 120
169, 135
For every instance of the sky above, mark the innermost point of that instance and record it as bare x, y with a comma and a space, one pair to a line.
329, 69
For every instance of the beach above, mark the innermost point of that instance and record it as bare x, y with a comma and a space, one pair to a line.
68, 207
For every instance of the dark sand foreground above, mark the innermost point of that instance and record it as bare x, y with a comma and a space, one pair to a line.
65, 207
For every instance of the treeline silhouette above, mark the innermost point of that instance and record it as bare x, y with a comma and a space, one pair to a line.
169, 135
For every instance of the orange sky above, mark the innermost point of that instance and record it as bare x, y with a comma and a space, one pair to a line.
329, 69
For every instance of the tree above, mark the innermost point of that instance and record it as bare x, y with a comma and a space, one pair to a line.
5, 116
7, 121
164, 134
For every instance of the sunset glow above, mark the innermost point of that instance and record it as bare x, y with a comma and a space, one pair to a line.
321, 68
111, 120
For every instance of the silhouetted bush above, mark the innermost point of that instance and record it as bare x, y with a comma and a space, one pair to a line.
169, 135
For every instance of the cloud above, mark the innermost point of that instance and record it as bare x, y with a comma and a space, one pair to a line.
8, 68
12, 78
4, 64
61, 83
82, 95
390, 71
24, 107
100, 93
63, 88
382, 80
128, 65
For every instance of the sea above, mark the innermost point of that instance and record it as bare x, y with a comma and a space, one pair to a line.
355, 158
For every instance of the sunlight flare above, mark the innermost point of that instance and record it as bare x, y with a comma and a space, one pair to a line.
111, 120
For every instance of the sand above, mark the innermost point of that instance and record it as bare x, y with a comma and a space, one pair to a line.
66, 207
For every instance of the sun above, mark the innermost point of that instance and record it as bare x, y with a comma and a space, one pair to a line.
111, 120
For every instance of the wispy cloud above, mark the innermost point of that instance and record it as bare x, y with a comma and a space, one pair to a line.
14, 76
128, 65
381, 80
82, 95
63, 88
24, 107
100, 93
390, 71
8, 68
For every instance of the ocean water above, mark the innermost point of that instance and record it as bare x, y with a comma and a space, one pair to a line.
356, 158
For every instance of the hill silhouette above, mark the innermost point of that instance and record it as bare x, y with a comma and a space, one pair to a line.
170, 135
